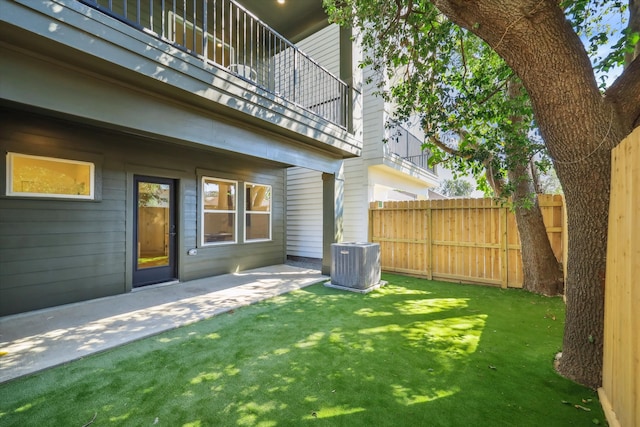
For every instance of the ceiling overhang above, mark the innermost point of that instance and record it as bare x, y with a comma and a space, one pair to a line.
295, 19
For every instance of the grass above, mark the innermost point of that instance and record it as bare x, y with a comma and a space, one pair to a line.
414, 353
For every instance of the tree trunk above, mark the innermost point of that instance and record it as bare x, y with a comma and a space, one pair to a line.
542, 272
580, 127
586, 186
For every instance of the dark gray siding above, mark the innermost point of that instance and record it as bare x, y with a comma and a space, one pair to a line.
54, 252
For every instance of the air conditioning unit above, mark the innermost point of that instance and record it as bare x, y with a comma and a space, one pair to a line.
355, 265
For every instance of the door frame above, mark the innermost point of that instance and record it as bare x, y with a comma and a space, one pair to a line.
165, 273
132, 210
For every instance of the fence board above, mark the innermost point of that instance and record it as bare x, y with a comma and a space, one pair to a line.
620, 391
469, 240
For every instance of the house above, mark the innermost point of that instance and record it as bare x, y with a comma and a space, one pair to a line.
148, 141
393, 166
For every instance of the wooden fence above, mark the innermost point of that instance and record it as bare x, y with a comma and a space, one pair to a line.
620, 391
461, 240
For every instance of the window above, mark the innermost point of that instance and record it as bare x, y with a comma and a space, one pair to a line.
35, 176
258, 213
218, 211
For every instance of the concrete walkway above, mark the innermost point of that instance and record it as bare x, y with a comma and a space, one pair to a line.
33, 341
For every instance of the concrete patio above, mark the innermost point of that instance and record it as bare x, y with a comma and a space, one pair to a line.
37, 340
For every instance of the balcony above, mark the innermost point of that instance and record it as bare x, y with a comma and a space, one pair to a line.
224, 34
407, 146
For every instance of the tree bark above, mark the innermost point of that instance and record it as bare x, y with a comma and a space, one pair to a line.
542, 272
580, 127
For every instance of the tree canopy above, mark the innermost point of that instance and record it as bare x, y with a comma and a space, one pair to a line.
456, 58
455, 188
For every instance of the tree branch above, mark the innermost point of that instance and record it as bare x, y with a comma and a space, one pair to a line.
444, 147
463, 56
493, 178
394, 21
497, 89
624, 95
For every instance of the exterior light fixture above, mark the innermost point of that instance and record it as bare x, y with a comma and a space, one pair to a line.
280, 1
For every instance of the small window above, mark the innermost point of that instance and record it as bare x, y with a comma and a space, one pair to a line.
258, 213
35, 176
218, 211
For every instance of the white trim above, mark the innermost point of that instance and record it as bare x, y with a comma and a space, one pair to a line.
203, 211
250, 212
9, 189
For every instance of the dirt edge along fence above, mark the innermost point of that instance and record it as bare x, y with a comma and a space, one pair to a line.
458, 240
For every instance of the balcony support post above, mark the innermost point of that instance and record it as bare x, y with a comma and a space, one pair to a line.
332, 212
346, 75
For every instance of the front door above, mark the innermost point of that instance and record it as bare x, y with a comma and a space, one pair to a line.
154, 230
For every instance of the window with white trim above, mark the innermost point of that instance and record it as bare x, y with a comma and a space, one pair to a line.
219, 211
37, 176
258, 212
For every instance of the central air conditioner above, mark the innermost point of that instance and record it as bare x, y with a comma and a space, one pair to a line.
355, 265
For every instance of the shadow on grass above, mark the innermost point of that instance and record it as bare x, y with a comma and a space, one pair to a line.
412, 353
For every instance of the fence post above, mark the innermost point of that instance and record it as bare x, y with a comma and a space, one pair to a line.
372, 206
429, 243
504, 249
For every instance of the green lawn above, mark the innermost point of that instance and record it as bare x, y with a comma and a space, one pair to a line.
414, 353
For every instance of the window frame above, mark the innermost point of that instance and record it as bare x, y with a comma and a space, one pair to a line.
248, 212
204, 211
11, 155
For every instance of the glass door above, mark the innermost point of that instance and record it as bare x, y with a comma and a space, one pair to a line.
155, 231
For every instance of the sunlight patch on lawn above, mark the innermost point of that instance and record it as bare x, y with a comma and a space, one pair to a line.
122, 417
250, 420
251, 411
368, 312
337, 337
404, 395
231, 370
24, 408
285, 379
340, 340
396, 290
205, 376
311, 341
381, 329
458, 336
166, 340
427, 306
335, 411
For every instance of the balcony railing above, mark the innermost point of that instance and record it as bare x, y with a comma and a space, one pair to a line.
224, 33
406, 145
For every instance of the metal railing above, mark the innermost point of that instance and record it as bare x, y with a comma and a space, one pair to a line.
225, 33
406, 145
